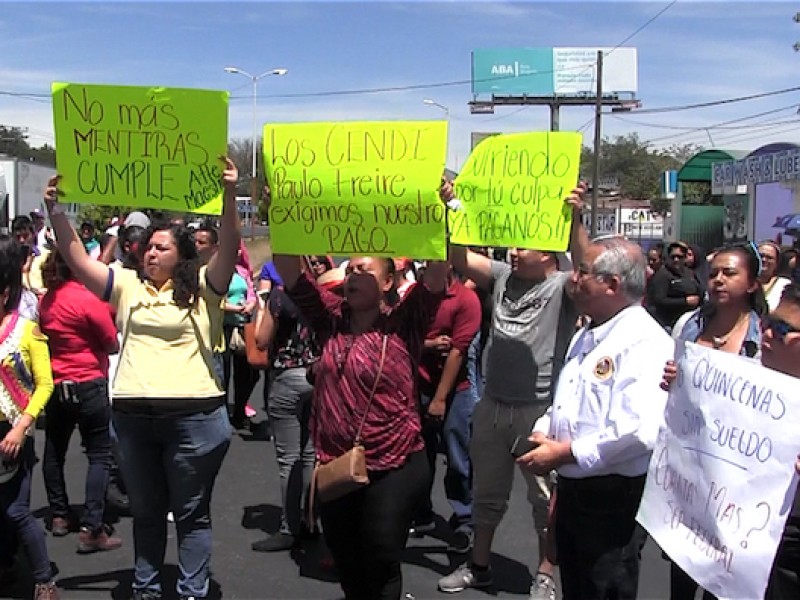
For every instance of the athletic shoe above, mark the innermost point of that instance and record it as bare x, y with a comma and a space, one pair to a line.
543, 587
465, 577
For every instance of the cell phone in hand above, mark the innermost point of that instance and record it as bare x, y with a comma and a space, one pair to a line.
522, 445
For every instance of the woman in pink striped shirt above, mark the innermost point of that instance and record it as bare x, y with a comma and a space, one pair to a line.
367, 529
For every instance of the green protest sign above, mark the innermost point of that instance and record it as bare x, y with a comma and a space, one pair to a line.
512, 190
368, 188
149, 147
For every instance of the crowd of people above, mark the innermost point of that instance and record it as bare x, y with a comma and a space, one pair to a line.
555, 364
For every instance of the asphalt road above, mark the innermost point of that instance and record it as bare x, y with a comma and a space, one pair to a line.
246, 508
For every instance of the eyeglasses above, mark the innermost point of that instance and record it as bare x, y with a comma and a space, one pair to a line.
585, 271
780, 328
677, 257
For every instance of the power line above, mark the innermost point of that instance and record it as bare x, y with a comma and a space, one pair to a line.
720, 125
703, 130
665, 109
653, 18
738, 139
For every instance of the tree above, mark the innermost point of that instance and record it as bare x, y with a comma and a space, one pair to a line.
14, 142
240, 151
636, 166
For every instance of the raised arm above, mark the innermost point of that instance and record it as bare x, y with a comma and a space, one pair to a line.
107, 254
579, 239
470, 264
221, 265
91, 273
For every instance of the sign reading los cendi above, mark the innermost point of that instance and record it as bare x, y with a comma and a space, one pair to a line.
357, 188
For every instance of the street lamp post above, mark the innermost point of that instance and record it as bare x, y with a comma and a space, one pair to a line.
430, 102
254, 79
446, 110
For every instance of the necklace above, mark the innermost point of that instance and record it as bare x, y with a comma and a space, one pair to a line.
718, 342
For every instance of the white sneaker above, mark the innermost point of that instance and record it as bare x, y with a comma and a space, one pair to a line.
543, 587
464, 577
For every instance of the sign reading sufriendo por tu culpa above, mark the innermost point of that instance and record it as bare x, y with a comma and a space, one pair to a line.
512, 191
357, 188
149, 147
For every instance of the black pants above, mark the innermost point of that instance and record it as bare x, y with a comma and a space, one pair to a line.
367, 530
91, 412
683, 587
784, 580
244, 376
599, 541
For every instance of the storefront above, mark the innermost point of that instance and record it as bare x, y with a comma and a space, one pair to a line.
700, 224
766, 186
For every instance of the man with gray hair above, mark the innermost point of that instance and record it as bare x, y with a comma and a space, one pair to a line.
600, 431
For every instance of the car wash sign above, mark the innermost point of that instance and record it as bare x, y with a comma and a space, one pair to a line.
765, 168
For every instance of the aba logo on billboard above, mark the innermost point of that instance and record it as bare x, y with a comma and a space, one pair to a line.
506, 70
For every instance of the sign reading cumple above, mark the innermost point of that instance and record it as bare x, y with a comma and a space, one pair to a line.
512, 191
357, 188
149, 147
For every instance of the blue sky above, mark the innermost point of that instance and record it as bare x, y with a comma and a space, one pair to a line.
694, 52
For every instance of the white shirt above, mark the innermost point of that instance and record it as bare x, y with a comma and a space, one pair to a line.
774, 293
608, 402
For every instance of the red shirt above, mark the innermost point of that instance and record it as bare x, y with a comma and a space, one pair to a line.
80, 330
347, 369
459, 316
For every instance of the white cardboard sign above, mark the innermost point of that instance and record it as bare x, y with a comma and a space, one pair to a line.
722, 480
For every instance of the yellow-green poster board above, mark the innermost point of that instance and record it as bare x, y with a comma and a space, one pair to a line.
357, 188
512, 190
149, 147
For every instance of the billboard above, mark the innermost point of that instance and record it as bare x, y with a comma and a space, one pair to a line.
478, 136
564, 71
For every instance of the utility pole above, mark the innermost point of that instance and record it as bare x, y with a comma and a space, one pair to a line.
598, 111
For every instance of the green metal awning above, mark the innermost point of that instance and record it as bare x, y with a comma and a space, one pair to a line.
698, 168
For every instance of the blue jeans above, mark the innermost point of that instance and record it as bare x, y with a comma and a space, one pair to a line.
474, 364
455, 432
92, 414
170, 464
16, 521
288, 409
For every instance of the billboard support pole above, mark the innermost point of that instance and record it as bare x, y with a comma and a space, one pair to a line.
554, 116
598, 111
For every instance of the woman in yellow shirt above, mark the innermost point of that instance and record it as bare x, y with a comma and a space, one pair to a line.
26, 383
169, 417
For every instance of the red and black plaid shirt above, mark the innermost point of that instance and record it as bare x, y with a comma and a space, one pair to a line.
347, 369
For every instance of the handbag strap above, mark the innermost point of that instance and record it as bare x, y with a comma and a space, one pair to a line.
357, 440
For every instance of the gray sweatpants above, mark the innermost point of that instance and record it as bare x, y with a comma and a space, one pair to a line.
495, 426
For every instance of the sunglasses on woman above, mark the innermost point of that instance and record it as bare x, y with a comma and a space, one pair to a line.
780, 328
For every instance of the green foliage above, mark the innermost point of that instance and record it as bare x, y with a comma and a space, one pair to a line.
699, 192
99, 215
240, 151
13, 142
637, 166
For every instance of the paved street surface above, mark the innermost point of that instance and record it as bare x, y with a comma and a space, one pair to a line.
246, 508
